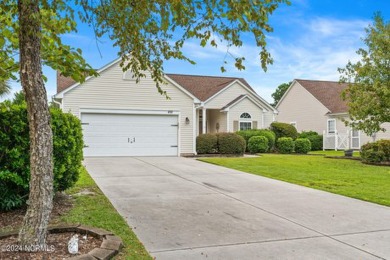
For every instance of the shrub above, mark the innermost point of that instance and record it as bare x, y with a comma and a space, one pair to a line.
15, 157
258, 144
247, 134
206, 143
376, 152
384, 146
316, 140
285, 145
284, 130
302, 145
231, 143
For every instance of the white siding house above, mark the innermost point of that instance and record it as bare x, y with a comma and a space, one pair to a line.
123, 118
312, 105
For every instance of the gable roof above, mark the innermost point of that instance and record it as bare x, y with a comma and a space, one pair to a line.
328, 93
204, 87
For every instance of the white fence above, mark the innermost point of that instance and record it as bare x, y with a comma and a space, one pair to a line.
341, 141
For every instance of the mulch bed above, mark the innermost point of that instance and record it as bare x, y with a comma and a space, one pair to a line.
93, 243
56, 247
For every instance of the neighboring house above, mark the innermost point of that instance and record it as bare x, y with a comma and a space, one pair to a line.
317, 106
123, 118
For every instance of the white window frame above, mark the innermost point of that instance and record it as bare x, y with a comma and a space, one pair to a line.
327, 126
355, 137
246, 120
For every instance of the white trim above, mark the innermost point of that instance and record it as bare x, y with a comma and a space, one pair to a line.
139, 112
241, 99
204, 122
194, 127
129, 111
239, 124
338, 114
247, 89
178, 133
327, 125
228, 121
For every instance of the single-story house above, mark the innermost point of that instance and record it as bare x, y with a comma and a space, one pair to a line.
313, 105
123, 118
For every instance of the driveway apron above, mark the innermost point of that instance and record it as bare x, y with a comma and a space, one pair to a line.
185, 209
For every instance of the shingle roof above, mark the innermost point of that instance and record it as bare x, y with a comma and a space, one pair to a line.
63, 82
204, 87
328, 93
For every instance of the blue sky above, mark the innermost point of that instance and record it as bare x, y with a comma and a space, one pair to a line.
311, 39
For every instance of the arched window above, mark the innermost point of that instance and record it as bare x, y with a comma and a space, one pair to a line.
245, 116
245, 121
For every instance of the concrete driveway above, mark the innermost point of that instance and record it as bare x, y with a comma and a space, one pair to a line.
185, 209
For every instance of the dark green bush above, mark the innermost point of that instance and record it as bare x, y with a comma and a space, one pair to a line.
231, 143
302, 145
285, 145
258, 144
316, 140
384, 146
206, 143
376, 152
247, 134
15, 158
284, 130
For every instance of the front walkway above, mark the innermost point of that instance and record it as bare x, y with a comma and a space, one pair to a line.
185, 209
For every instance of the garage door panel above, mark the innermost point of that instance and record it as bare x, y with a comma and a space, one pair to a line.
130, 135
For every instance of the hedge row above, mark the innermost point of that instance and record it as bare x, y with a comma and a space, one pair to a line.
316, 140
248, 134
376, 152
15, 156
223, 143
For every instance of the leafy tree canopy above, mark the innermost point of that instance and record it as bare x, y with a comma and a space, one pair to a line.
5, 88
368, 92
146, 32
279, 92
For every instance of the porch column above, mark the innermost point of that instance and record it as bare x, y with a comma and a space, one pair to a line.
203, 120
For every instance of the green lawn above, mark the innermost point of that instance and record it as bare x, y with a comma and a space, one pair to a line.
95, 210
346, 177
334, 153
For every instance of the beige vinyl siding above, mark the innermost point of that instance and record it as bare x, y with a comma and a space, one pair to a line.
245, 106
301, 107
384, 135
110, 91
268, 119
228, 95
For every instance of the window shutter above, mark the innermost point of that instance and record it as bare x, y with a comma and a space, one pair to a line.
235, 126
254, 123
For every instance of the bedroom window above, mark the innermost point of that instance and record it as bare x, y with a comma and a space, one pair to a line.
245, 121
331, 126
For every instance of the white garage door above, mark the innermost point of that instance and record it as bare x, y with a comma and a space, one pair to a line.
130, 135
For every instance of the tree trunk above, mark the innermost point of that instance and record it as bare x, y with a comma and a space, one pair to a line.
40, 202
